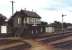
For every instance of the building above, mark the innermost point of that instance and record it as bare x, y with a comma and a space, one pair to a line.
68, 29
50, 29
24, 22
3, 24
45, 27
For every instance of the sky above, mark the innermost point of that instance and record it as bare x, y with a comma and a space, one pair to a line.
49, 10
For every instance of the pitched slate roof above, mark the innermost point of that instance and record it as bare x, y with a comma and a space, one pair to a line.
26, 13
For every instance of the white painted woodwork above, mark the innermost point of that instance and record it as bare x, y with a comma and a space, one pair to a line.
49, 29
19, 20
31, 20
35, 21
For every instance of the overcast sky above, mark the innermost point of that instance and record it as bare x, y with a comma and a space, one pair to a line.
49, 10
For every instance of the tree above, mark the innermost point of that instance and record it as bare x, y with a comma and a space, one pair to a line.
44, 23
58, 25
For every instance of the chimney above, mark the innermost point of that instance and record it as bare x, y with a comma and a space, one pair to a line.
24, 8
32, 10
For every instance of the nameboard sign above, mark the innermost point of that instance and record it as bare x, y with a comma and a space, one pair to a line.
3, 29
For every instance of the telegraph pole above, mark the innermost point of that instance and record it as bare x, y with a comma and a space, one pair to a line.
12, 2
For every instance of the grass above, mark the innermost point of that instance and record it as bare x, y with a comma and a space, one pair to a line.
8, 41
